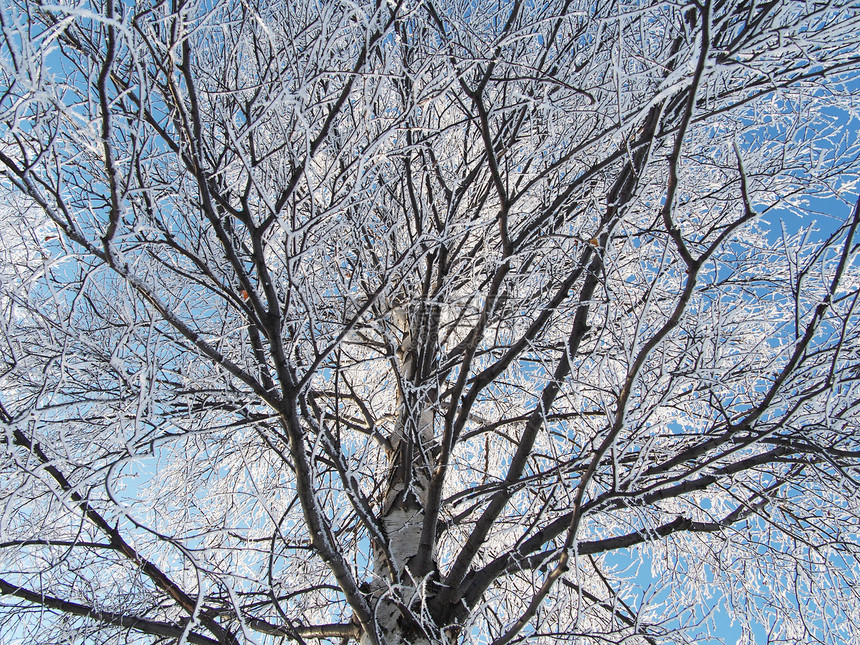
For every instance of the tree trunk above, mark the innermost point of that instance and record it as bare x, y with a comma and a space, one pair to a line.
398, 591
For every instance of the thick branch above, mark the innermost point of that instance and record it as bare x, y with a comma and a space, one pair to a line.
143, 625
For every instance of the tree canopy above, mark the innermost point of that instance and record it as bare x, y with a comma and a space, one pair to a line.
429, 321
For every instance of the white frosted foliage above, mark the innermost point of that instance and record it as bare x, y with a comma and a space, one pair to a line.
429, 322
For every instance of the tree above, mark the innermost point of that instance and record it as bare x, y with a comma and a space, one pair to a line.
413, 322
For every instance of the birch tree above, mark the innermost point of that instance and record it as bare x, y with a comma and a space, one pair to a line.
429, 321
